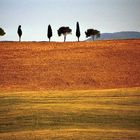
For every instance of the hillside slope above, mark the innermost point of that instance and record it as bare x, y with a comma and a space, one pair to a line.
83, 65
118, 35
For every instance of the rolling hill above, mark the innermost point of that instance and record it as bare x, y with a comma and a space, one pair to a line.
70, 65
66, 90
119, 35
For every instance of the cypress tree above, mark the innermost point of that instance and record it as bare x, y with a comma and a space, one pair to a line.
78, 31
49, 32
19, 31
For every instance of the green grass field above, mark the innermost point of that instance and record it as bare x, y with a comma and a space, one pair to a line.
72, 115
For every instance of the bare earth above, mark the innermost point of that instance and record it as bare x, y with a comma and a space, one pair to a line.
84, 65
70, 91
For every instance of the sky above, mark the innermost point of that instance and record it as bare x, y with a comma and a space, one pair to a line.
35, 15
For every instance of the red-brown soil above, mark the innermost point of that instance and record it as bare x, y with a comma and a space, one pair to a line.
71, 65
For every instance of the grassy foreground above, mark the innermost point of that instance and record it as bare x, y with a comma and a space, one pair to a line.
82, 114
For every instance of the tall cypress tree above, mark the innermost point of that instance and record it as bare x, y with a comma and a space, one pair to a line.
19, 31
49, 32
78, 31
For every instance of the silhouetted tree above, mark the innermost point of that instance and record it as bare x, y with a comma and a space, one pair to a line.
78, 31
49, 32
2, 32
19, 31
92, 33
64, 30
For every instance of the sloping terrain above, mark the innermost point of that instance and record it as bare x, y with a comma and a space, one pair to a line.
105, 64
118, 35
59, 90
70, 115
83, 65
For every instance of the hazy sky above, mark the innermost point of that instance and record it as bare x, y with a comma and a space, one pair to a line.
35, 15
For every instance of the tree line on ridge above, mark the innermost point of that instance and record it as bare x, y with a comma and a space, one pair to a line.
62, 31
